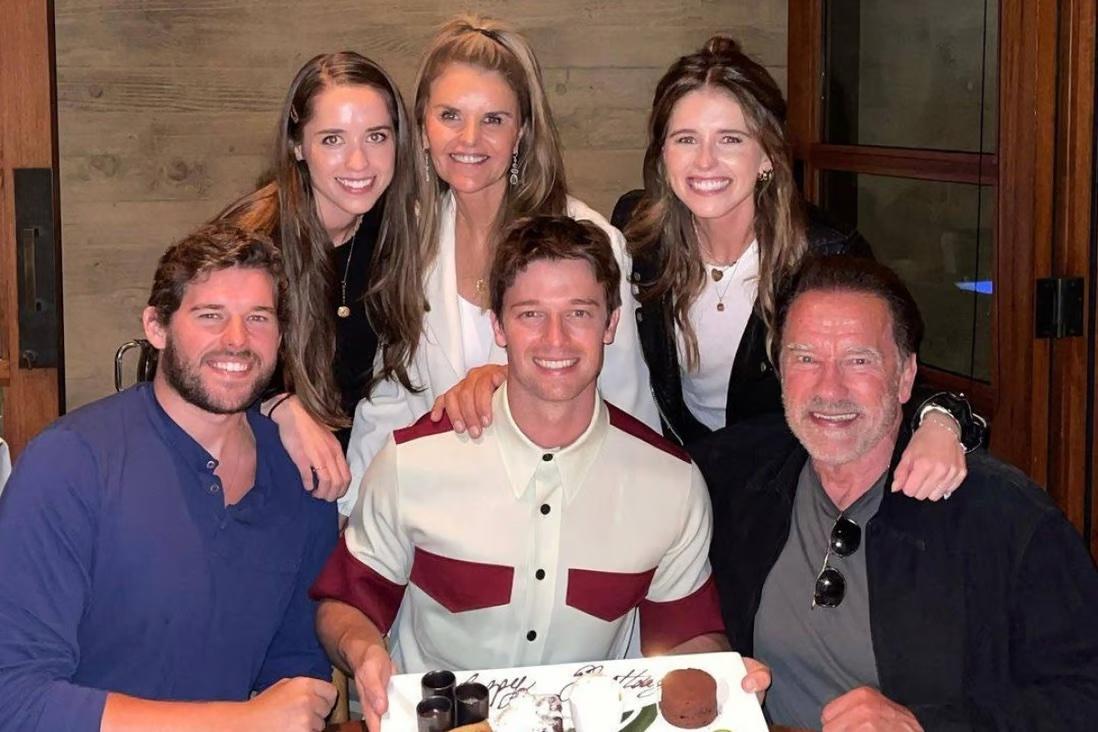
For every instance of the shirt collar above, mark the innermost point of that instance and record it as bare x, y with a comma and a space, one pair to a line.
185, 446
860, 511
521, 457
197, 457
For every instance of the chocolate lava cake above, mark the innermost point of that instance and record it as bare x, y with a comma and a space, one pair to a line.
688, 698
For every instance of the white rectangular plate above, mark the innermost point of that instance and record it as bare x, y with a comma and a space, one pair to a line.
639, 678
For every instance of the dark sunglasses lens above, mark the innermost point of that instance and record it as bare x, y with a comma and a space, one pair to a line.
846, 537
830, 588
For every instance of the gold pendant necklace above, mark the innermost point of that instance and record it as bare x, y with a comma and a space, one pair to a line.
717, 273
344, 310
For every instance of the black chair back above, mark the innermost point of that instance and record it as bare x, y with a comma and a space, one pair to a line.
147, 358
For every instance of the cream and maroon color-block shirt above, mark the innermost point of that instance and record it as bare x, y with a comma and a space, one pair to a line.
495, 552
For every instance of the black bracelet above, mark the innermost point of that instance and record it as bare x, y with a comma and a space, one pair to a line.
973, 426
277, 404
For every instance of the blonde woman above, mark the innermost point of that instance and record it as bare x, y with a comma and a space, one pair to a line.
491, 154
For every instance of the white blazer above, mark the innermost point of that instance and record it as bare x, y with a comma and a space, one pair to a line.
440, 361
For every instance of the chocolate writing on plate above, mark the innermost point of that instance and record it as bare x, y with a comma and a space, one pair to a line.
637, 680
502, 689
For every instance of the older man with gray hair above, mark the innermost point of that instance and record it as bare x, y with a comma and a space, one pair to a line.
873, 610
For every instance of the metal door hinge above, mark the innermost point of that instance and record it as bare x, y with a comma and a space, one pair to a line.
1059, 307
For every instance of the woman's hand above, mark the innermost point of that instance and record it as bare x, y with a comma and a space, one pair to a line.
933, 465
468, 403
314, 449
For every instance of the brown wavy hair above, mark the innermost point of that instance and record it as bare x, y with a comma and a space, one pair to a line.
211, 248
554, 238
662, 227
285, 209
492, 45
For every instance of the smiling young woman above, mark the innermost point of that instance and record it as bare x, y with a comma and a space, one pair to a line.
716, 236
341, 207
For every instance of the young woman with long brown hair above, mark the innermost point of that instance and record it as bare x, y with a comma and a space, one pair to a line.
716, 235
341, 207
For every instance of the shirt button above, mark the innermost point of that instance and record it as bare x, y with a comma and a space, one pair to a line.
214, 488
211, 465
545, 509
531, 636
547, 456
540, 574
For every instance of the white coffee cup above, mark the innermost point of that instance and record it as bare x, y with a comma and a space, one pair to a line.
596, 704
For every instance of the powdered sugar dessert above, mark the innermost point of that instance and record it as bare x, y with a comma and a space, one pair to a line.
531, 713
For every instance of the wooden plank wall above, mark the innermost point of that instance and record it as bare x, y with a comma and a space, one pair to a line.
167, 107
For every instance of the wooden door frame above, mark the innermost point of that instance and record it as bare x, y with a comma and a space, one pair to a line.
28, 139
1074, 396
1027, 134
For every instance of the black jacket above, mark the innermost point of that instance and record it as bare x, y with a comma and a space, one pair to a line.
983, 608
753, 387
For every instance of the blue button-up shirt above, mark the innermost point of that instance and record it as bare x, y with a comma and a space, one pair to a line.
121, 569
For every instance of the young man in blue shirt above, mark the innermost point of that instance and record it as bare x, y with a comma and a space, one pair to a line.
156, 546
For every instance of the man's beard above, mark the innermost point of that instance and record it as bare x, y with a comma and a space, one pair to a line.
187, 382
866, 435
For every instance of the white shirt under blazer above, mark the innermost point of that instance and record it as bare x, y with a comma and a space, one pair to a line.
440, 361
495, 552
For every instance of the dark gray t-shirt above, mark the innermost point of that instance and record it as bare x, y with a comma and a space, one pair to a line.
815, 655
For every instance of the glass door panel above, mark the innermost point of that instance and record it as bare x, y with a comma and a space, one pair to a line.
938, 237
911, 74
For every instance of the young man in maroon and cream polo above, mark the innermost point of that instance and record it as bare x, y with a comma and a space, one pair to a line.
538, 541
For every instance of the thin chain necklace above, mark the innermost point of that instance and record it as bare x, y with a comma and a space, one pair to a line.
718, 274
344, 310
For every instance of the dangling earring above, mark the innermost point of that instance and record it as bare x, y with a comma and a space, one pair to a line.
766, 175
427, 167
514, 168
